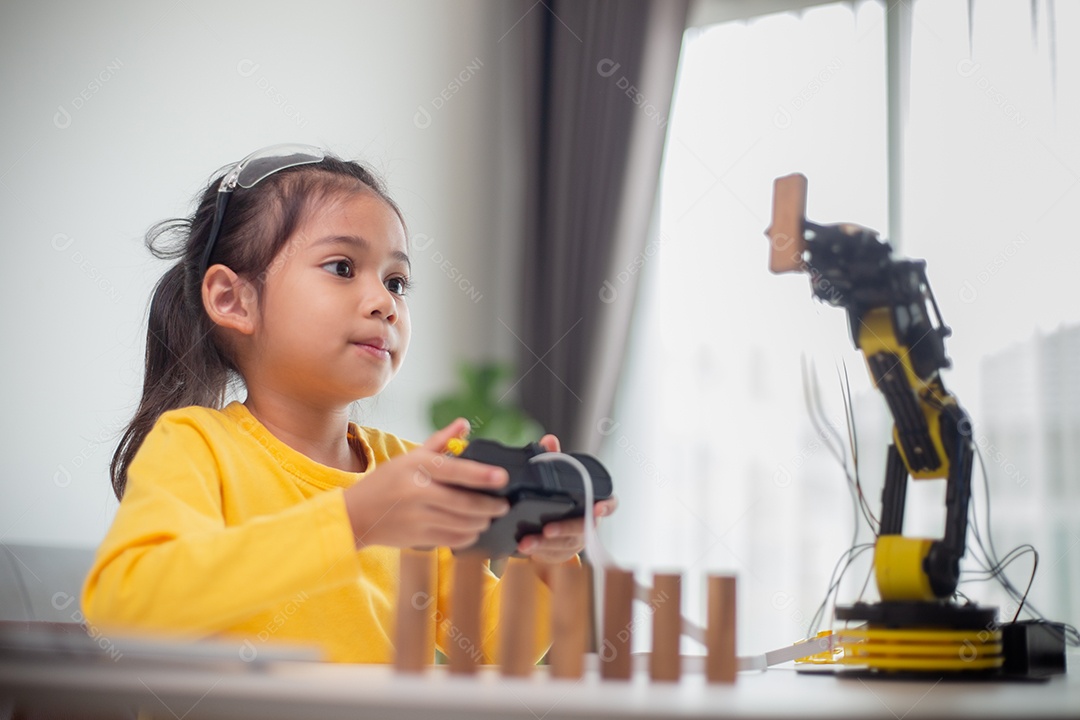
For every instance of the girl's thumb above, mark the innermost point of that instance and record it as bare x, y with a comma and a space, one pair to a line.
437, 442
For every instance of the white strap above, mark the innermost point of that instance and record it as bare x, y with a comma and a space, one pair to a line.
600, 560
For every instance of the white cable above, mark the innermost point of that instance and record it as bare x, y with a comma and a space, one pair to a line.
592, 545
597, 554
600, 559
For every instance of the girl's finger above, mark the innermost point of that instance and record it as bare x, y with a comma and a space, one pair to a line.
550, 443
562, 528
451, 470
437, 442
606, 507
553, 557
576, 526
456, 502
563, 542
533, 544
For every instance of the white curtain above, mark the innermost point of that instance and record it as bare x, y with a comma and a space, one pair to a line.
719, 467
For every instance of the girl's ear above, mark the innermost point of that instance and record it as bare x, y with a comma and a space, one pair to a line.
230, 300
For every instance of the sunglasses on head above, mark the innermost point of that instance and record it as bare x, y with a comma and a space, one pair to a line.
248, 173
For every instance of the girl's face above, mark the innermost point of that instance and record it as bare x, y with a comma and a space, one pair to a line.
334, 321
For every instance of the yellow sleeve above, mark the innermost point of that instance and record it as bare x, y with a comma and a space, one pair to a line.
170, 565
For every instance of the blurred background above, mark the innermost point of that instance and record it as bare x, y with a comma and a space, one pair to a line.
125, 111
586, 185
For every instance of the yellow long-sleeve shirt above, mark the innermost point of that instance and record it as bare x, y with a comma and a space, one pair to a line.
226, 531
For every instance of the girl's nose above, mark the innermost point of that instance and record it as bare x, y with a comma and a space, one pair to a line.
382, 303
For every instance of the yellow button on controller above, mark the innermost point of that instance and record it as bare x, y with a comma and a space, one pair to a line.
456, 446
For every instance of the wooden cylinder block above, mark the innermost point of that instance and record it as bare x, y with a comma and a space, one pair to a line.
465, 597
720, 661
517, 620
614, 651
570, 622
665, 602
416, 600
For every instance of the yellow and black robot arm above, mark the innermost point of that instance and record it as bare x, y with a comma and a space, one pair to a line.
896, 324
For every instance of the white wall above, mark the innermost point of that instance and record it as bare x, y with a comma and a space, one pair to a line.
116, 114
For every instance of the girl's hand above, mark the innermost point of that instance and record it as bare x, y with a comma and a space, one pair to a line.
418, 499
563, 539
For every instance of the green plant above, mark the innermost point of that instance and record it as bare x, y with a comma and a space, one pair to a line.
479, 401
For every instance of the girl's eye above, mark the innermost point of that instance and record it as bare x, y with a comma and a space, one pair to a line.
398, 285
341, 268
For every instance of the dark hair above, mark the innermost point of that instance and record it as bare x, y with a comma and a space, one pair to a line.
186, 363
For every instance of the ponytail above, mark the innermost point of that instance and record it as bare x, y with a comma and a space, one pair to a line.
183, 365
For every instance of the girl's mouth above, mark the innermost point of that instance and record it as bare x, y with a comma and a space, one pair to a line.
374, 348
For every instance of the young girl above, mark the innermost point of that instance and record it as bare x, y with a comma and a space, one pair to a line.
276, 519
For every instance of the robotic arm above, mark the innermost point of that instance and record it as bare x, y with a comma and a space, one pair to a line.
917, 626
895, 322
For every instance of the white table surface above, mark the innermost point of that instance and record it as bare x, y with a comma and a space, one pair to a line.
192, 690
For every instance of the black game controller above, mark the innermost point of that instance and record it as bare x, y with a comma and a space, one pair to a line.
539, 492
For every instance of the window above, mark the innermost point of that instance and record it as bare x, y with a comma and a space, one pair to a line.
720, 467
